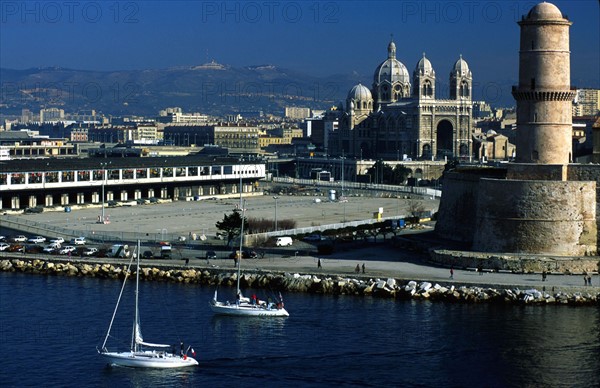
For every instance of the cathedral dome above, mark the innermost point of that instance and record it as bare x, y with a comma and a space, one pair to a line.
391, 70
359, 92
461, 67
544, 11
424, 66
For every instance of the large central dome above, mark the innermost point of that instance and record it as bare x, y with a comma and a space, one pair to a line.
391, 81
391, 70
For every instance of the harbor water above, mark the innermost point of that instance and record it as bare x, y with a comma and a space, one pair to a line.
50, 328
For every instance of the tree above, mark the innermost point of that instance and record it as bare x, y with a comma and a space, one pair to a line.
400, 174
415, 209
381, 172
231, 225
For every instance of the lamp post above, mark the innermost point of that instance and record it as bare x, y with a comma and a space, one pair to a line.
103, 165
275, 198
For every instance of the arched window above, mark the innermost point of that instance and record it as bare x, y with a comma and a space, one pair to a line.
464, 86
427, 89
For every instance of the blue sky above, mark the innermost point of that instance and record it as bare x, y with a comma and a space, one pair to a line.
318, 37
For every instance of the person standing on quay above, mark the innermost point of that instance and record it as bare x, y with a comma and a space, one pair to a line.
319, 263
451, 272
363, 267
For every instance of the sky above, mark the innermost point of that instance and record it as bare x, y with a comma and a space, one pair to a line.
315, 37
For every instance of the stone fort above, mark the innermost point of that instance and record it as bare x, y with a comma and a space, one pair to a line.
543, 204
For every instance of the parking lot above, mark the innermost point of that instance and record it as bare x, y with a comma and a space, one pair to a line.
178, 222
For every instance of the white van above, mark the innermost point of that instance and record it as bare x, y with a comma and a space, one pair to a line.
283, 241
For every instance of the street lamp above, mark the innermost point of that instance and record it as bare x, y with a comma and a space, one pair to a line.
103, 165
275, 198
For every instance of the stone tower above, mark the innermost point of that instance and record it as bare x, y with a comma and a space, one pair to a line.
544, 96
543, 204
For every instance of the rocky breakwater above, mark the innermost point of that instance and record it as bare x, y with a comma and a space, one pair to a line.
309, 283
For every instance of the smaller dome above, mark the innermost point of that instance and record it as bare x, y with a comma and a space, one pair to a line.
424, 65
544, 11
359, 92
461, 66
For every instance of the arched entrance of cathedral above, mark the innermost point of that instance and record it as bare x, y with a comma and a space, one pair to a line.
444, 139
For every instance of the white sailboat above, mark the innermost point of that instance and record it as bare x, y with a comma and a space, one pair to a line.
144, 354
243, 306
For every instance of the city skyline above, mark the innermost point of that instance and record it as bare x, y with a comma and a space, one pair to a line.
322, 38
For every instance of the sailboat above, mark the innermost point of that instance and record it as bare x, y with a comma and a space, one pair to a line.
243, 306
144, 354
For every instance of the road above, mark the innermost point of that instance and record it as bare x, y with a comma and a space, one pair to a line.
381, 260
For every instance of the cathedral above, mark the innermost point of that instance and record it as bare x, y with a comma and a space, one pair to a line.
396, 120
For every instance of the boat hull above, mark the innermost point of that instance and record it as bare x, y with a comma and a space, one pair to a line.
149, 359
249, 310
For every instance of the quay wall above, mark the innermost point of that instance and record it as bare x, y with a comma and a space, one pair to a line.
310, 283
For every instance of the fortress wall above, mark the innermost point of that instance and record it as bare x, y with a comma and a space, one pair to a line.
547, 217
588, 172
456, 214
543, 172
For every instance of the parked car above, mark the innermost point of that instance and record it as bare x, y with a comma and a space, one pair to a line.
147, 255
58, 240
16, 248
19, 238
4, 246
78, 241
90, 251
51, 248
33, 248
211, 255
37, 239
66, 250
2, 238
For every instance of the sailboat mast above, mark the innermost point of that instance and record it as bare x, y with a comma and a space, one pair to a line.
239, 262
112, 320
137, 289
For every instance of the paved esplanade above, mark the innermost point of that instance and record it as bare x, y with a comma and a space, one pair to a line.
183, 218
381, 260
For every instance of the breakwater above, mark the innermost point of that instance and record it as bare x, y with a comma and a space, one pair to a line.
309, 283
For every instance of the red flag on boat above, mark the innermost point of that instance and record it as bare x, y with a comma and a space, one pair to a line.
193, 352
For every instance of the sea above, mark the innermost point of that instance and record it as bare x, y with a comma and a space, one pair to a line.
51, 326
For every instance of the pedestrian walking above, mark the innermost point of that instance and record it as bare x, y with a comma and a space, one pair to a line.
319, 263
544, 275
451, 272
363, 267
589, 280
357, 269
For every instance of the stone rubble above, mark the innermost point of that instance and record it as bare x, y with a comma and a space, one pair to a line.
316, 284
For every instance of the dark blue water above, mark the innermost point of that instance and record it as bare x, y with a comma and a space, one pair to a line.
50, 326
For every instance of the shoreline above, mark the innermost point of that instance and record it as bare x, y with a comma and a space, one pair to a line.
290, 280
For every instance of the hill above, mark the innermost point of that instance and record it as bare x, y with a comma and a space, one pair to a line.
210, 88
